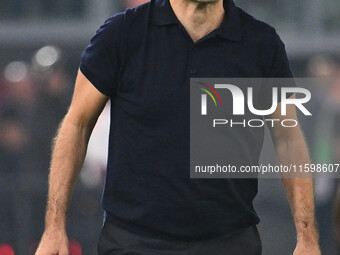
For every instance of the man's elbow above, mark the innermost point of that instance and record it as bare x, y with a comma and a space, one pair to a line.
289, 136
78, 123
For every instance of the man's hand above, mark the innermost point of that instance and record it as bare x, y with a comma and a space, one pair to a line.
307, 249
53, 243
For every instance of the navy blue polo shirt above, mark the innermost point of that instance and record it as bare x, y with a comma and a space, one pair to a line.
143, 60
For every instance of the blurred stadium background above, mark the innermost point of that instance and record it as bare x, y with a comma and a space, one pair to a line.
40, 46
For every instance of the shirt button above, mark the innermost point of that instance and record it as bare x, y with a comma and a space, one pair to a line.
193, 71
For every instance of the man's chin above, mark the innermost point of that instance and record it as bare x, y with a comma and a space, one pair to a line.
205, 1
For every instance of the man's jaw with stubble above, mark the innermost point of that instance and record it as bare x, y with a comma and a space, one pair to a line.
202, 4
204, 1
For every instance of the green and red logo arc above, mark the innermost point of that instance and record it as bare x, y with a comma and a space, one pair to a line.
213, 91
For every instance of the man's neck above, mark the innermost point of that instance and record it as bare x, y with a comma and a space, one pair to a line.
199, 18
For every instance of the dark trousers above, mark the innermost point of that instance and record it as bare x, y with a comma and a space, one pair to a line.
115, 240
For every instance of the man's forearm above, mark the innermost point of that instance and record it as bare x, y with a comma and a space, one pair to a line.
300, 191
301, 199
67, 159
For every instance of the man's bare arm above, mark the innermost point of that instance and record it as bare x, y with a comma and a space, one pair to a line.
290, 149
67, 159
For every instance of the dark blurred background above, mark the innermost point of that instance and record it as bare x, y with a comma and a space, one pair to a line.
40, 46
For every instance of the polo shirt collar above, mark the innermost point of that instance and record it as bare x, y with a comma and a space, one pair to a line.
230, 28
231, 25
163, 13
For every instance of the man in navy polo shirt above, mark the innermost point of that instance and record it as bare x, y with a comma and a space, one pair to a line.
142, 60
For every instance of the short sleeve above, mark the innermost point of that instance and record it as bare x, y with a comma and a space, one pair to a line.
100, 60
280, 74
280, 67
